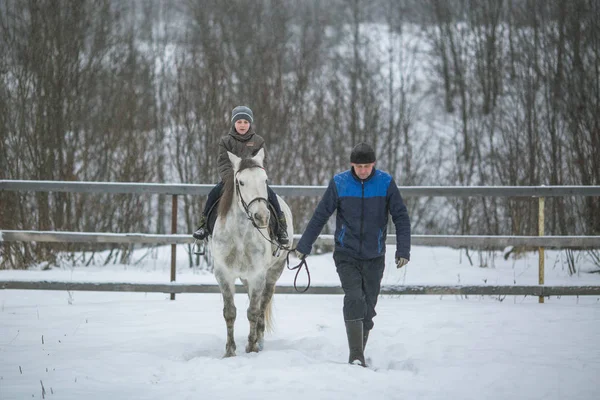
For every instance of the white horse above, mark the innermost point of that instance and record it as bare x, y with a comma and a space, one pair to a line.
241, 248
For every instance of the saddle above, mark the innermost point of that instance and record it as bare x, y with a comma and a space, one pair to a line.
273, 220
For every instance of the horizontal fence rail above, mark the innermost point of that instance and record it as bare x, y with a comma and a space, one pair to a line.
504, 290
295, 190
463, 241
472, 241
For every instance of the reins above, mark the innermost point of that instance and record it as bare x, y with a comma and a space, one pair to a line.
302, 263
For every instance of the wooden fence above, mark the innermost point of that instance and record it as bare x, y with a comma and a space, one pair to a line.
468, 241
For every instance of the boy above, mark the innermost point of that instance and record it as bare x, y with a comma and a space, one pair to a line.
243, 142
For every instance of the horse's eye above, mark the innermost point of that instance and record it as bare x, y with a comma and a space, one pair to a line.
241, 183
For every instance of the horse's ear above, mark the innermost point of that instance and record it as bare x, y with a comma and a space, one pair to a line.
235, 160
260, 157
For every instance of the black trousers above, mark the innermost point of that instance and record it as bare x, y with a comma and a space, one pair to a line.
215, 193
361, 281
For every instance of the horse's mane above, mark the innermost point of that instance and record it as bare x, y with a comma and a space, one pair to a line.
229, 186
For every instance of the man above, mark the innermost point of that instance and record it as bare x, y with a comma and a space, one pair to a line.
362, 196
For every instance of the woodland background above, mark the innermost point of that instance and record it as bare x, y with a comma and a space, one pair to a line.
458, 92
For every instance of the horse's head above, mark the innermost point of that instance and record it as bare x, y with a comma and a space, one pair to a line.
250, 181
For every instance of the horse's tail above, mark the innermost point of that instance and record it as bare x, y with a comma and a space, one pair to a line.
269, 325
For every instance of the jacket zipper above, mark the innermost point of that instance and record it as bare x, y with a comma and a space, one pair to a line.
362, 216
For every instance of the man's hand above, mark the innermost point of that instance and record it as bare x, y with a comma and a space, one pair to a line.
401, 262
301, 256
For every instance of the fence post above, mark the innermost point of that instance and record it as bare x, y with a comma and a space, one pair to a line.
541, 249
173, 246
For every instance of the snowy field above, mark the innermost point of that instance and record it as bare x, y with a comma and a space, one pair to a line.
102, 345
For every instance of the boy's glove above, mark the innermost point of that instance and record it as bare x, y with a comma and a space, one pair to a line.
301, 256
401, 262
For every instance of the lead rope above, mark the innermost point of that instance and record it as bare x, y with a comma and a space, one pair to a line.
278, 249
298, 268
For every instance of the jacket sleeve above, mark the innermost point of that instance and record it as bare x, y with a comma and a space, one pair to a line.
223, 163
325, 209
401, 221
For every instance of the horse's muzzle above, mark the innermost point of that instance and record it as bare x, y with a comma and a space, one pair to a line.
261, 219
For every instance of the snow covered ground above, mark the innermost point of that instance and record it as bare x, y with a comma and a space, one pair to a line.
97, 345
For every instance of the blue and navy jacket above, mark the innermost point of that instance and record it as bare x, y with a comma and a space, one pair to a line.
362, 209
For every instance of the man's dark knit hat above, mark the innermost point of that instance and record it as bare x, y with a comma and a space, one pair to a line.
362, 153
242, 112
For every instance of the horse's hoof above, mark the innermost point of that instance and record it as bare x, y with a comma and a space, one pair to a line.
229, 354
252, 348
261, 344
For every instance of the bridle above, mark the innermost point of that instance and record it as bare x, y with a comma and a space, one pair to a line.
246, 206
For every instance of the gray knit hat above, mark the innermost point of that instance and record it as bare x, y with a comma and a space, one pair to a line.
242, 112
362, 153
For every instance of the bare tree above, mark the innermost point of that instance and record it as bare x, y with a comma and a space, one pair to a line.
76, 112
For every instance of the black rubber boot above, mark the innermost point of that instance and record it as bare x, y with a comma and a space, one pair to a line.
202, 231
282, 236
365, 338
354, 330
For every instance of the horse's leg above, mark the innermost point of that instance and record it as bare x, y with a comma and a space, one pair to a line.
255, 292
229, 311
264, 315
265, 321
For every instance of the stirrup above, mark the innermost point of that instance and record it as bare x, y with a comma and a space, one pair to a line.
199, 247
277, 251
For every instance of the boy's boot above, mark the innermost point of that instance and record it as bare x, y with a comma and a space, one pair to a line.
282, 236
202, 231
354, 330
